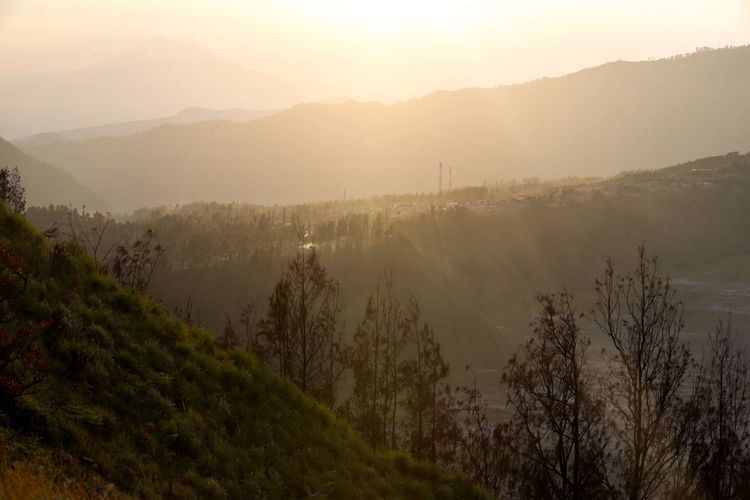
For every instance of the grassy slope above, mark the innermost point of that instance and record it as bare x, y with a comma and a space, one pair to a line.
153, 406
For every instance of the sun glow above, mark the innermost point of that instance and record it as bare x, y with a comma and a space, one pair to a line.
373, 49
386, 17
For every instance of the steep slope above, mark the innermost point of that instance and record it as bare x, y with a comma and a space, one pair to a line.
186, 116
155, 407
618, 116
46, 184
10, 133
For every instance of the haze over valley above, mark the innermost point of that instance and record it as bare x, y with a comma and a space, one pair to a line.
383, 249
596, 122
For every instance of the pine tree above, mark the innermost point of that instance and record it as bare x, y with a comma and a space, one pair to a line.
12, 191
301, 338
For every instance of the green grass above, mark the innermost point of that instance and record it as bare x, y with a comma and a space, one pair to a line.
154, 406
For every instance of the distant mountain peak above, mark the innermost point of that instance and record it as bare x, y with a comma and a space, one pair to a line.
158, 77
172, 53
166, 43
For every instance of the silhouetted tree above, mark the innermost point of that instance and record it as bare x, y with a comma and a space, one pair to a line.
189, 314
638, 311
557, 422
482, 455
93, 238
375, 359
134, 266
720, 451
430, 425
12, 191
301, 338
228, 338
247, 320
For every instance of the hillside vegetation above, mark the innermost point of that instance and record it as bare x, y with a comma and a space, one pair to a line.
475, 263
156, 408
618, 116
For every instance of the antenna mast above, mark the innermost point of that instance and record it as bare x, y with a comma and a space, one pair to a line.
440, 179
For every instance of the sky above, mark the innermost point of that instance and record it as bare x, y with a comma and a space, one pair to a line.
384, 50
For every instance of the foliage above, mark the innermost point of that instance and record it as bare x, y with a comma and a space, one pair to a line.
301, 338
400, 397
158, 409
376, 361
24, 482
22, 363
473, 266
14, 277
12, 191
429, 421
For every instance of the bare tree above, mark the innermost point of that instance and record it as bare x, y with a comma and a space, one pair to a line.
135, 266
557, 423
95, 240
189, 314
638, 311
483, 455
87, 231
720, 451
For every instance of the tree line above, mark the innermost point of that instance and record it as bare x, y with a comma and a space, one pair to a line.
654, 422
400, 398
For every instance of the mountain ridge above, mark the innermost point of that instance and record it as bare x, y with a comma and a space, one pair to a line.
599, 121
121, 129
156, 78
47, 184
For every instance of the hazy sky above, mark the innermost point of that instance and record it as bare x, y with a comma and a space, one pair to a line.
379, 49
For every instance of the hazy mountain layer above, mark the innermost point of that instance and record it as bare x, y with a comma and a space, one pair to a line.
619, 116
157, 78
190, 115
46, 184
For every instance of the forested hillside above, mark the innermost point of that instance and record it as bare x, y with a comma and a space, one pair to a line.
599, 121
102, 383
474, 258
374, 306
